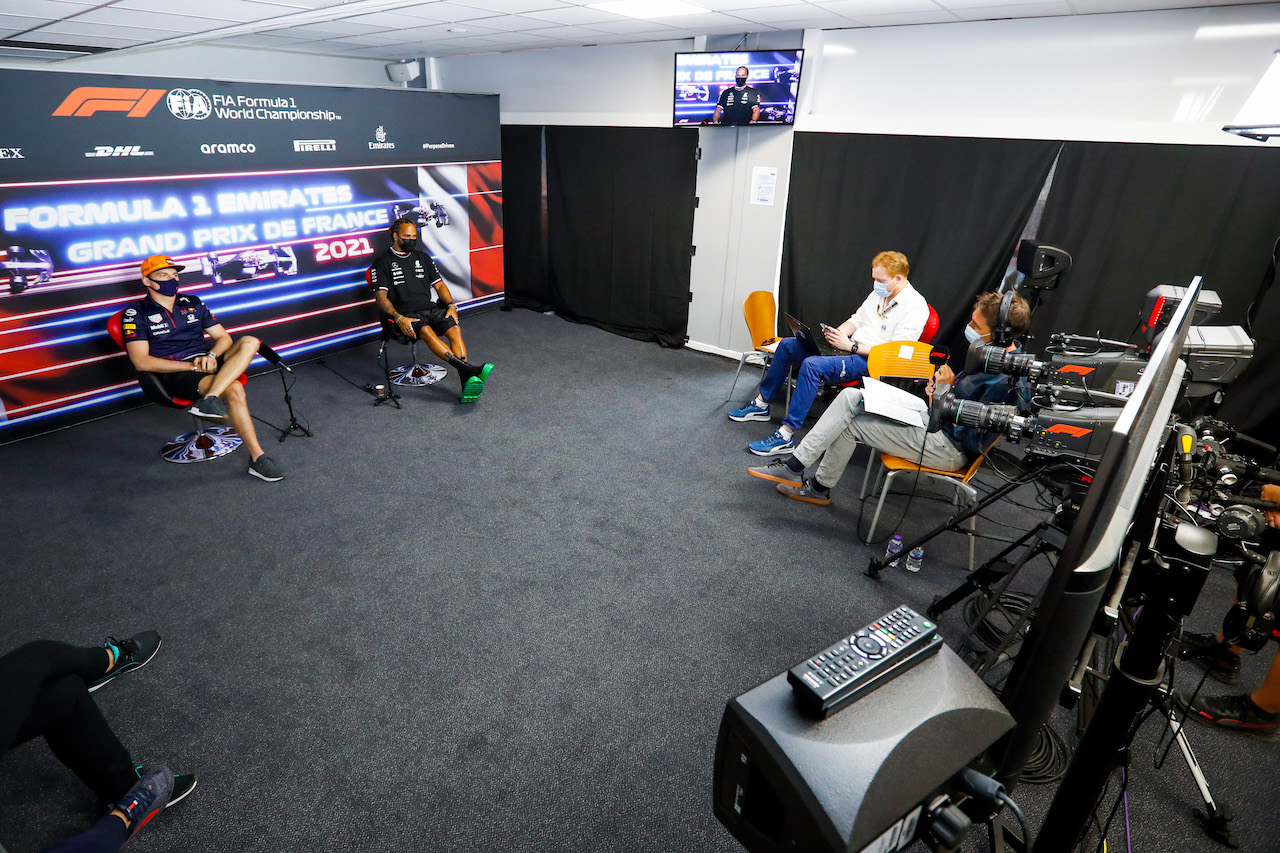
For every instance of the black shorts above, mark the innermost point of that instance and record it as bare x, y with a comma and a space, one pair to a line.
437, 318
183, 386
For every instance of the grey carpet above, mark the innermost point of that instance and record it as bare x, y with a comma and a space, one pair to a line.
509, 626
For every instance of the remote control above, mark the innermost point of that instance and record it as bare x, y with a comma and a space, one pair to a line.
861, 662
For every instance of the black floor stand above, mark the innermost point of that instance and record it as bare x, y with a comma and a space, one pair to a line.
386, 395
1216, 817
294, 428
954, 523
992, 578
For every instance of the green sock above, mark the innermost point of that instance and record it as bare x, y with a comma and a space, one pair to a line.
115, 655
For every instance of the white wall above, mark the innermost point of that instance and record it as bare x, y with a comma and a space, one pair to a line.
1130, 77
227, 63
1135, 77
620, 85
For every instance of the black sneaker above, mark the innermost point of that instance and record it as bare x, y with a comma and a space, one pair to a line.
1231, 712
1205, 651
146, 799
266, 468
183, 785
209, 408
808, 491
135, 653
777, 471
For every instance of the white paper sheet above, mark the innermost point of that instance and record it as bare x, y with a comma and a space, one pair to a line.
889, 401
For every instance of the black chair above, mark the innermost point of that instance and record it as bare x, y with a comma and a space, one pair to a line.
203, 443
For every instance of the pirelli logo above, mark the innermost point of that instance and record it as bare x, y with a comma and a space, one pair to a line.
315, 145
87, 100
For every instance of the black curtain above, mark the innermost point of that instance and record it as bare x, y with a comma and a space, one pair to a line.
605, 240
524, 242
955, 207
620, 227
1134, 216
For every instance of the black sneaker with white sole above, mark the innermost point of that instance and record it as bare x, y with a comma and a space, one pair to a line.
266, 468
133, 653
210, 408
183, 785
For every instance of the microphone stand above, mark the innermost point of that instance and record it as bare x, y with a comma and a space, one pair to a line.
293, 428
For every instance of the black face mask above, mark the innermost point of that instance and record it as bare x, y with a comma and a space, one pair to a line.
168, 287
407, 245
741, 81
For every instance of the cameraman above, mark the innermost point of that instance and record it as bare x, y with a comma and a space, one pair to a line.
1257, 713
846, 422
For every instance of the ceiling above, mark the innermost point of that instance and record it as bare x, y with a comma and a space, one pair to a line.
404, 29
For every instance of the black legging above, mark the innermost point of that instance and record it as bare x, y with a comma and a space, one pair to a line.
43, 692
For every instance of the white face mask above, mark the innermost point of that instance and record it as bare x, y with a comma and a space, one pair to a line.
971, 335
880, 287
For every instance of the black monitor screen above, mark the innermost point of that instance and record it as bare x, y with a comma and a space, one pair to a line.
704, 80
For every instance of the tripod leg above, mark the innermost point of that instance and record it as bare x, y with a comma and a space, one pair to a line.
1216, 817
981, 576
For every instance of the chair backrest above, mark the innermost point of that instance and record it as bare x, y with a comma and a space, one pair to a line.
900, 358
762, 317
113, 328
930, 326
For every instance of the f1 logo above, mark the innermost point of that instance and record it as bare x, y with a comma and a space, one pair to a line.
88, 100
1067, 429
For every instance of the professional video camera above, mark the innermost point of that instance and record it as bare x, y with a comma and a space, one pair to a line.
1075, 433
1109, 370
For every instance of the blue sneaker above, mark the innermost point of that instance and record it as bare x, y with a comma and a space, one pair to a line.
750, 412
775, 445
147, 798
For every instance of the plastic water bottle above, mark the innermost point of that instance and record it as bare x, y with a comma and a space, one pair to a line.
915, 559
894, 549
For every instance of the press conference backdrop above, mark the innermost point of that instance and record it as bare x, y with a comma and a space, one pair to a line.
275, 197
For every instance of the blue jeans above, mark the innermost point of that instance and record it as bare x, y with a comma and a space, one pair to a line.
814, 370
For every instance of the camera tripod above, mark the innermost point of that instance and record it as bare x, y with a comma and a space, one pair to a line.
1040, 466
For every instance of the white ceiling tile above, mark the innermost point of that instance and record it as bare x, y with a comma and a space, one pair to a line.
516, 38
375, 39
515, 7
574, 15
768, 14
19, 23
860, 9
444, 11
81, 40
514, 23
633, 26
955, 5
222, 10
731, 6
1021, 10
345, 28
898, 19
47, 9
570, 32
121, 17
131, 34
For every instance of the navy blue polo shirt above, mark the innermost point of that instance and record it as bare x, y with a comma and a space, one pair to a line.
177, 335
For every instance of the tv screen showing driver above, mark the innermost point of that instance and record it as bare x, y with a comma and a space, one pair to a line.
737, 87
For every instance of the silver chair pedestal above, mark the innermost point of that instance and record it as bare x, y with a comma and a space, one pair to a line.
417, 375
201, 445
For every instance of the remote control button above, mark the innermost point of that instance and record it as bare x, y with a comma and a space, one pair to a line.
868, 645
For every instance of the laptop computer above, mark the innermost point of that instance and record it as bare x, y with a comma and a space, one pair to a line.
813, 344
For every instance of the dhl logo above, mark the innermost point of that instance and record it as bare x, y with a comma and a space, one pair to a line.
1075, 368
1066, 429
88, 100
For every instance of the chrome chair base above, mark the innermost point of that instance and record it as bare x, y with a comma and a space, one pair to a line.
202, 445
417, 375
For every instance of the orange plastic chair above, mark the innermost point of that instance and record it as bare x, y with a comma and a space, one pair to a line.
891, 466
761, 312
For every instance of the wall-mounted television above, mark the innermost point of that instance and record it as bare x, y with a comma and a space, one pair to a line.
707, 80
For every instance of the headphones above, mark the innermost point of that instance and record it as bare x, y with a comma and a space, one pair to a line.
1002, 334
1253, 618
